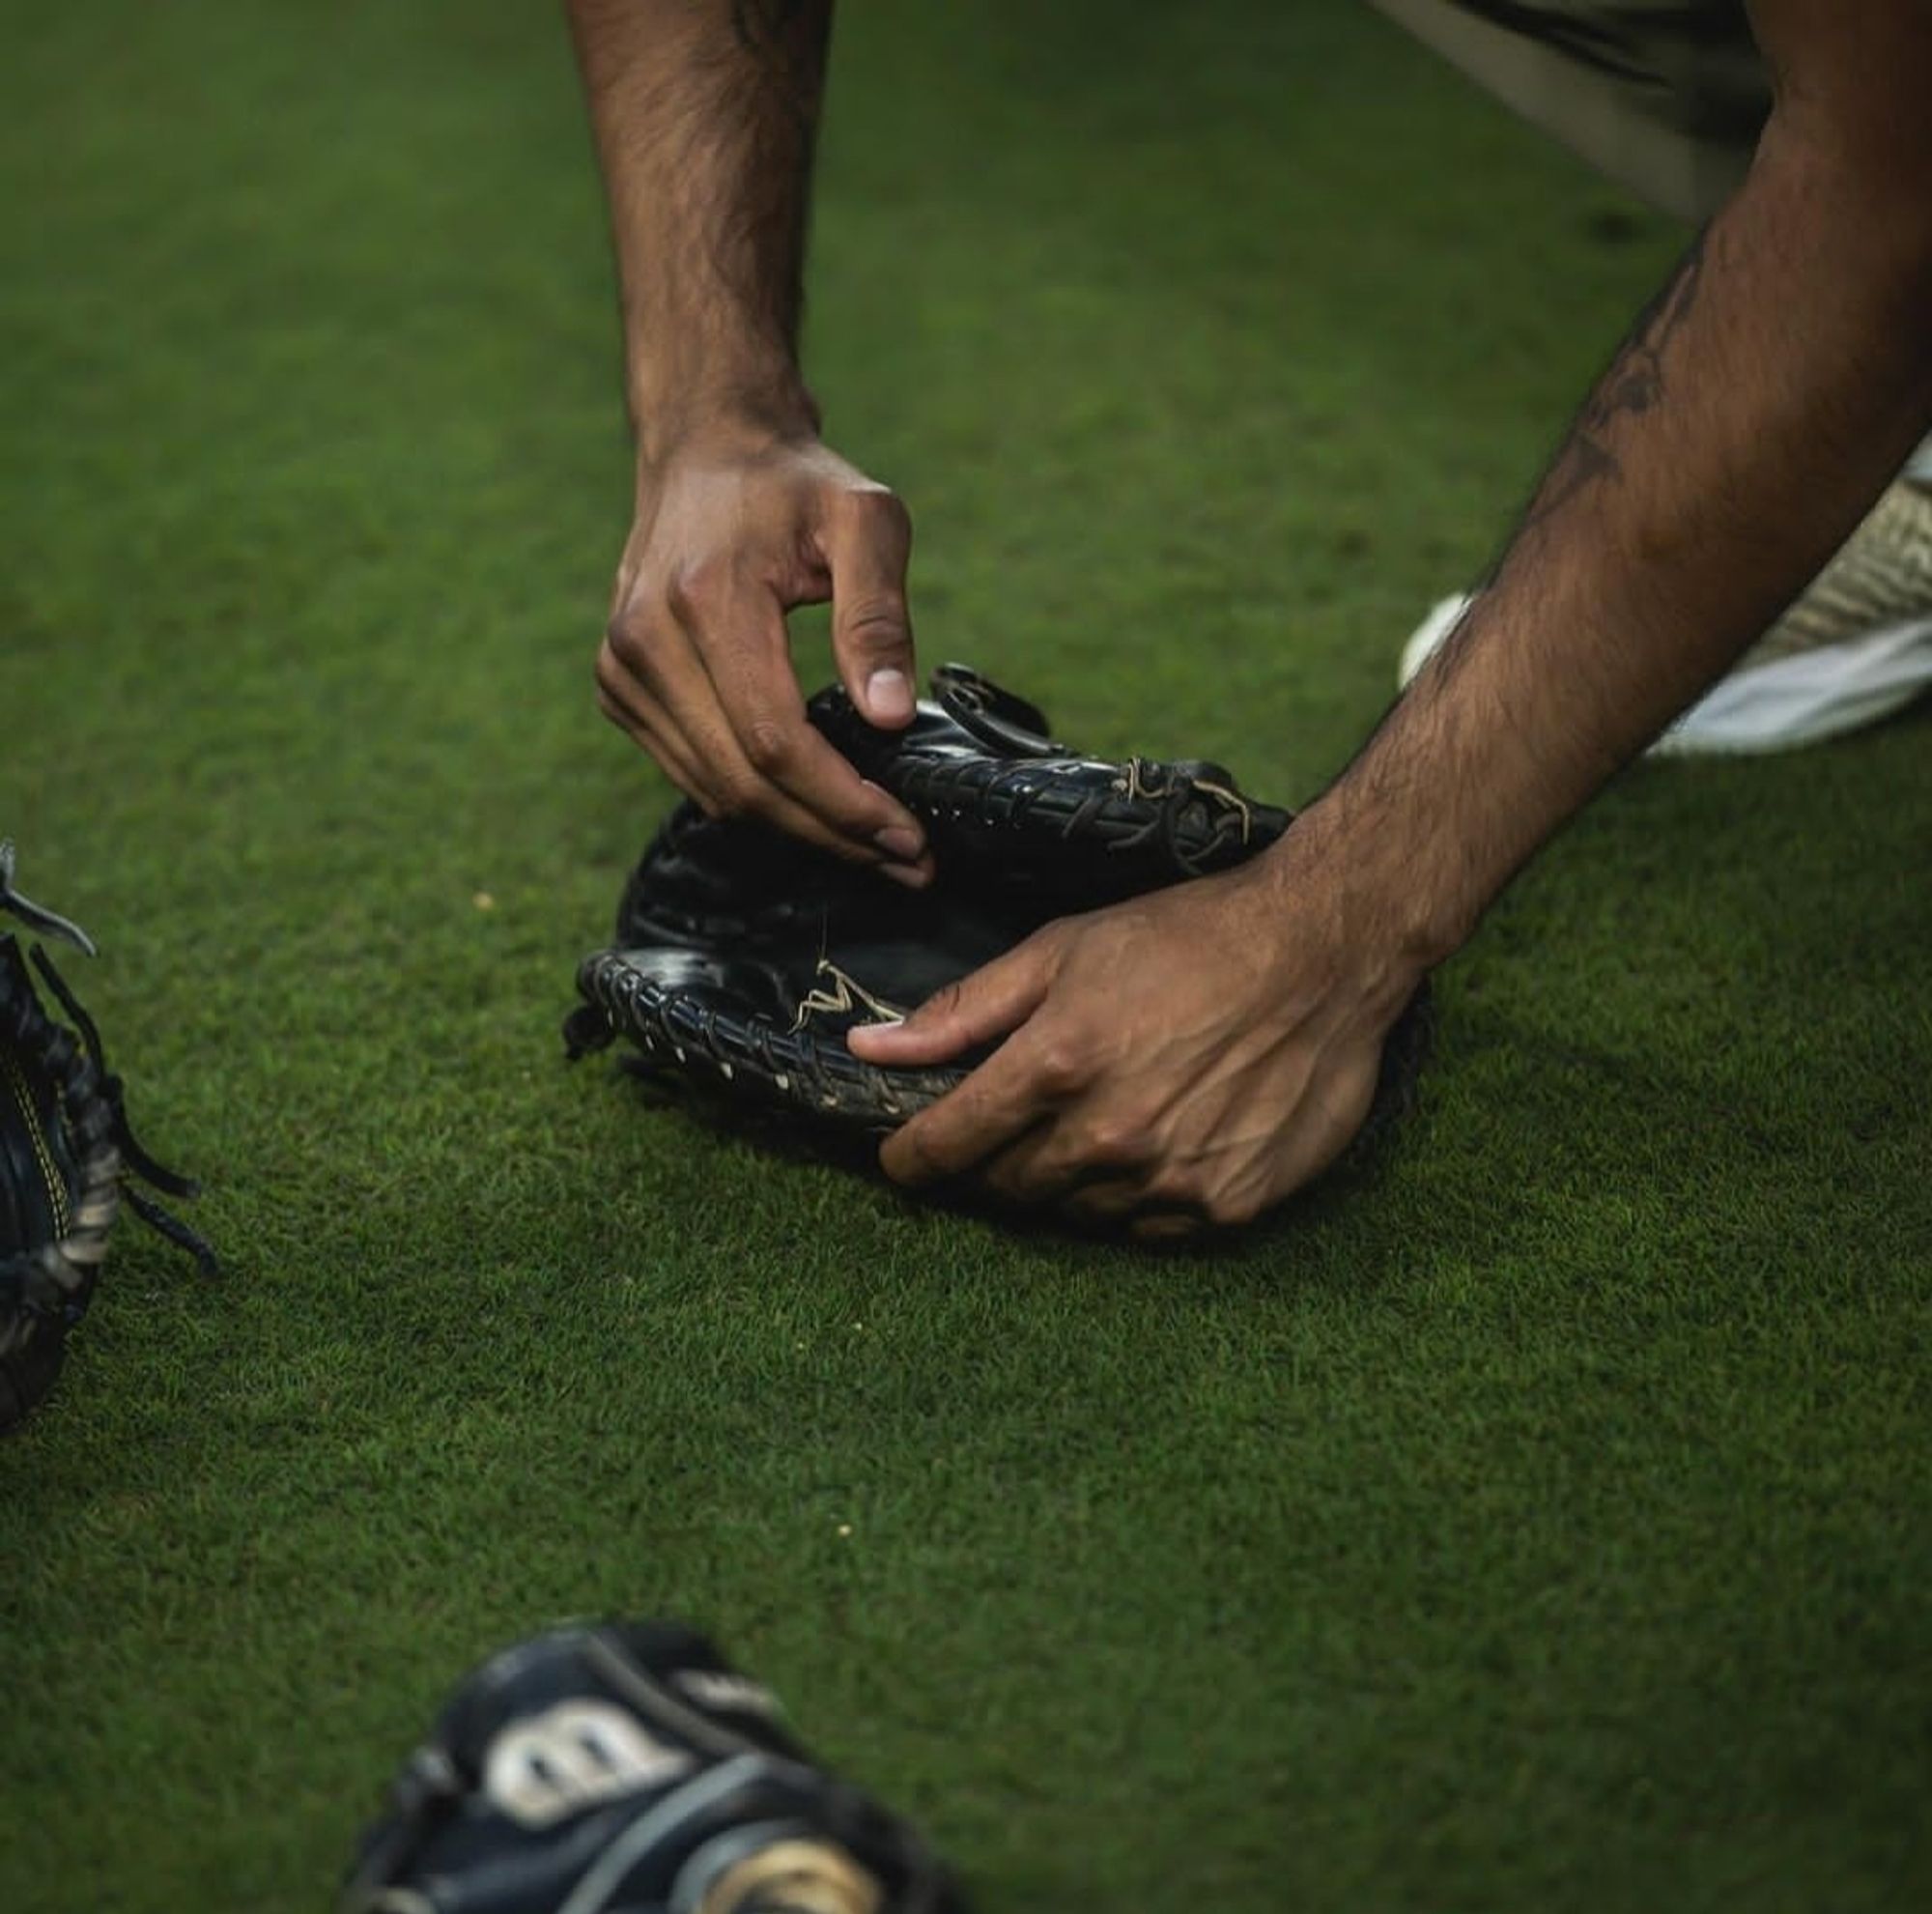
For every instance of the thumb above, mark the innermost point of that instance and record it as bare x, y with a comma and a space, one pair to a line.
868, 542
988, 1004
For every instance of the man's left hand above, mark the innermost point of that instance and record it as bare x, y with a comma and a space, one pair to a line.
1189, 1058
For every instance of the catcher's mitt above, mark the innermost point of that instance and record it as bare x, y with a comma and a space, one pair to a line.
627, 1769
743, 958
66, 1155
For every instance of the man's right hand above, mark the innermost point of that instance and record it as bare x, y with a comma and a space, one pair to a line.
733, 529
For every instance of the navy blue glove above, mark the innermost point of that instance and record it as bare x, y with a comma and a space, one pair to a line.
626, 1768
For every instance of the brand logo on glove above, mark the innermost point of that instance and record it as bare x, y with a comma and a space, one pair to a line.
576, 1756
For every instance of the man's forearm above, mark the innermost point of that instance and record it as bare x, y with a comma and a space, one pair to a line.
706, 112
1753, 414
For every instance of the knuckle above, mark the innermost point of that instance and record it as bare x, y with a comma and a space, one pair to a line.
769, 746
878, 622
691, 591
1046, 949
1118, 1138
624, 636
629, 651
880, 509
1060, 1065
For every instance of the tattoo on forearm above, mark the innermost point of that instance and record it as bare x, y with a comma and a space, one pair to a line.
1633, 385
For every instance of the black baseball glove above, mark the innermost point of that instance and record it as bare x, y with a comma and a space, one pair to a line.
66, 1157
627, 1769
743, 958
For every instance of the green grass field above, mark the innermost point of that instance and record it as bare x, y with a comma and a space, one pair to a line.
1541, 1517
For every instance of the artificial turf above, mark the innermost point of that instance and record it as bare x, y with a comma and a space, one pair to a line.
1540, 1516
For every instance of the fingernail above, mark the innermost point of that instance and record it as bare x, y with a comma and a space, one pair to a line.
902, 841
911, 875
888, 695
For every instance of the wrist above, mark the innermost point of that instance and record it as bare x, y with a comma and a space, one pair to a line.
745, 415
1396, 893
